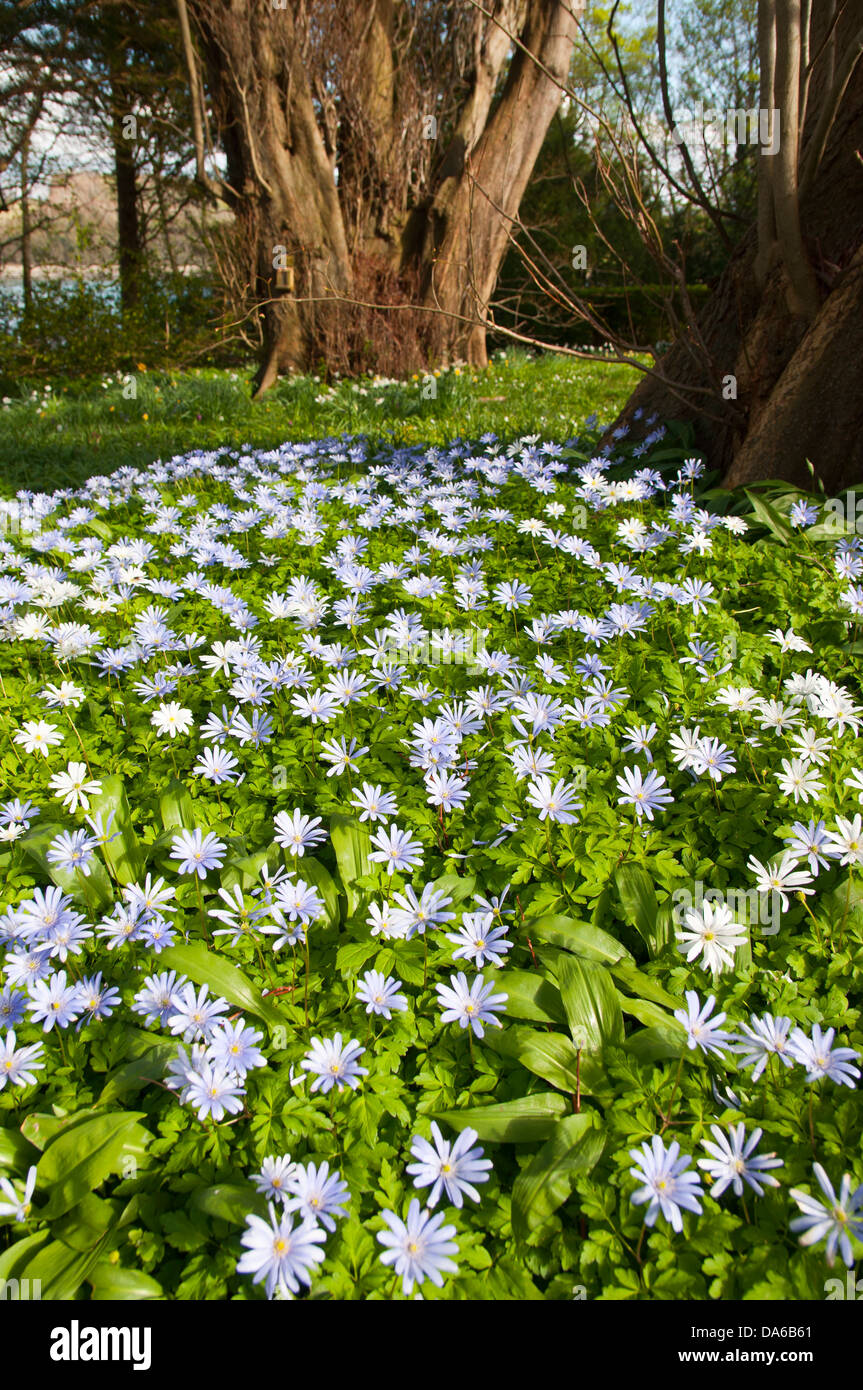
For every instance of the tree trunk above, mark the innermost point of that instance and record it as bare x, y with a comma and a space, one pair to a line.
773, 379
130, 255
26, 232
485, 172
280, 176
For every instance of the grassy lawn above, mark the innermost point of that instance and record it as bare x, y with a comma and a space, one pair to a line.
54, 437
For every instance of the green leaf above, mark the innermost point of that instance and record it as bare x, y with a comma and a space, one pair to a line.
113, 1283
591, 1003
553, 1057
133, 1076
16, 1153
61, 1271
530, 995
40, 1129
124, 853
206, 968
175, 807
351, 957
79, 1159
314, 872
770, 517
574, 1147
512, 1121
638, 900
643, 985
228, 1202
14, 1260
352, 842
579, 937
658, 1044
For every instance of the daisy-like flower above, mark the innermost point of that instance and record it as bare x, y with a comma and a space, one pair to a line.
397, 849
553, 803
17, 1204
450, 1168
418, 1248
63, 696
384, 921
213, 1091
280, 1252
799, 780
781, 876
340, 756
646, 794
380, 994
470, 1006
97, 999
834, 1221
702, 1031
72, 787
317, 1194
714, 758
446, 789
846, 841
54, 1002
72, 850
820, 1058
197, 852
788, 641
273, 1178
297, 833
812, 749
811, 842
196, 1015
733, 1161
373, 803
334, 1065
217, 765
760, 1039
666, 1186
710, 932
234, 1048
18, 1065
640, 737
172, 719
479, 940
36, 736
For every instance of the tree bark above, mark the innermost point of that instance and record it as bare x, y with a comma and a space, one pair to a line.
130, 254
279, 172
485, 171
783, 329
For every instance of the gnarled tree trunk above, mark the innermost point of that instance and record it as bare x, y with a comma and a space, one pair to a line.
783, 326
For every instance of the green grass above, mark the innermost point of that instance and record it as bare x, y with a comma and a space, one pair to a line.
58, 436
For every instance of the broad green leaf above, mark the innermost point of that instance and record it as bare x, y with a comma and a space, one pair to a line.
61, 1271
40, 1129
134, 1076
770, 517
113, 1283
92, 890
124, 853
459, 887
206, 968
314, 872
657, 1044
644, 985
352, 841
591, 1003
651, 1015
553, 1056
638, 899
530, 995
228, 1202
244, 870
512, 1121
579, 937
574, 1147
175, 807
79, 1159
16, 1153
14, 1260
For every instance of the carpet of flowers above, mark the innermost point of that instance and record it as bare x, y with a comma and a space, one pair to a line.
429, 873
